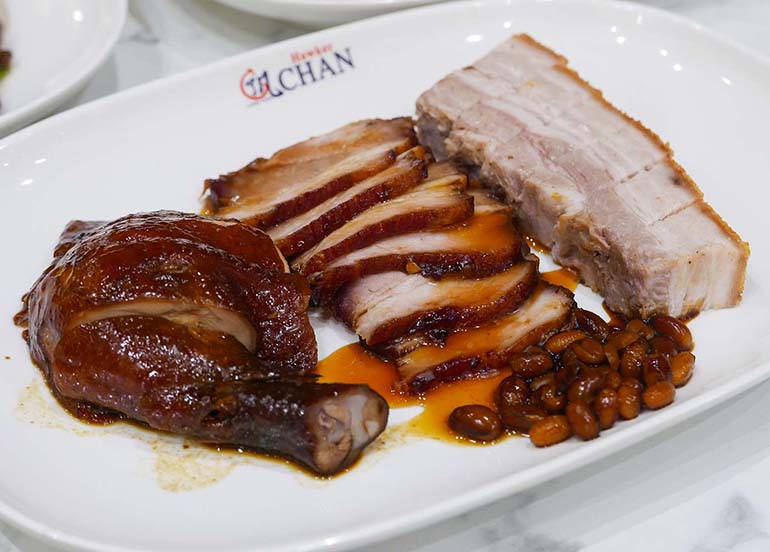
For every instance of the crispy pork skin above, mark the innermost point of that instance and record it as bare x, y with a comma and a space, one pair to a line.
484, 244
302, 232
438, 201
192, 325
386, 306
586, 180
487, 348
267, 192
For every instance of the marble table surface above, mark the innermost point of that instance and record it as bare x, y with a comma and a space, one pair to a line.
702, 486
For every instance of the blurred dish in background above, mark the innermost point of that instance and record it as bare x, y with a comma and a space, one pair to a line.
57, 46
322, 13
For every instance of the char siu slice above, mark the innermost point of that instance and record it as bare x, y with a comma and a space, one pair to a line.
438, 201
487, 348
484, 244
386, 306
560, 154
205, 384
269, 191
302, 232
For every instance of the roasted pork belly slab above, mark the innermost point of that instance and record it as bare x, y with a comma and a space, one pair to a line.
438, 201
302, 232
383, 307
482, 245
267, 192
486, 348
586, 180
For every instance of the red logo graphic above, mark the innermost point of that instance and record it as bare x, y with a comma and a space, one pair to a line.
252, 87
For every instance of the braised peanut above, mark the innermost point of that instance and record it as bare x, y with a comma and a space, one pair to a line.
586, 385
512, 391
611, 353
664, 345
581, 381
629, 402
682, 365
592, 324
476, 422
550, 431
520, 418
613, 380
540, 381
569, 358
632, 360
640, 328
655, 369
675, 329
589, 350
659, 395
559, 342
566, 375
582, 420
606, 407
634, 384
622, 339
551, 399
531, 363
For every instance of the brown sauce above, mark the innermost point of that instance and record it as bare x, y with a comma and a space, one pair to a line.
616, 320
353, 364
563, 277
486, 232
535, 245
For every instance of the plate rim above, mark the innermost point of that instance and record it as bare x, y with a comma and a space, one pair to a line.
379, 531
45, 103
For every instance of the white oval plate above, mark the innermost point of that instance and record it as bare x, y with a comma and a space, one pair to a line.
151, 148
321, 13
56, 45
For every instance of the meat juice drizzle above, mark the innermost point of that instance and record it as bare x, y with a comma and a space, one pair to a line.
563, 277
353, 364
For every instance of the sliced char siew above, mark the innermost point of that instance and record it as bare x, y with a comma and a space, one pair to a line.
302, 232
487, 348
486, 243
267, 192
438, 201
384, 307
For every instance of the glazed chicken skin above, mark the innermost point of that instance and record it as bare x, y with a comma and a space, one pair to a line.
192, 325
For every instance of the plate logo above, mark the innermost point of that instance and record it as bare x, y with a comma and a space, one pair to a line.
307, 67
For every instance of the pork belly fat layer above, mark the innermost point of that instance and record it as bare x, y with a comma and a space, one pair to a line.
585, 179
487, 348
